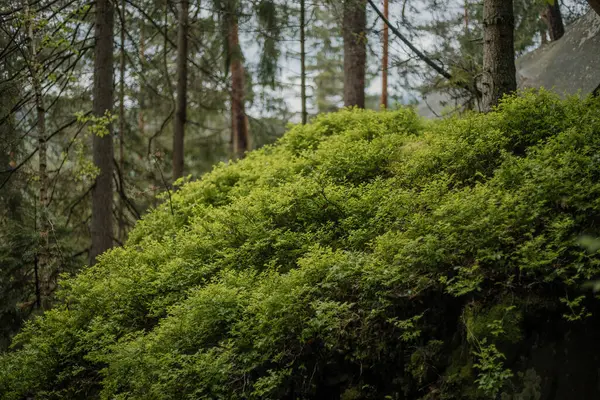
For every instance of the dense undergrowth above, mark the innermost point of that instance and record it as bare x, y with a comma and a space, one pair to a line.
368, 255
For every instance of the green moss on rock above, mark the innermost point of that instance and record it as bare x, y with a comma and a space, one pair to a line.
293, 273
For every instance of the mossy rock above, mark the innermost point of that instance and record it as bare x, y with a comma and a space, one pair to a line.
367, 255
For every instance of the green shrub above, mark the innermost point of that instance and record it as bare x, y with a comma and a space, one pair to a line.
366, 255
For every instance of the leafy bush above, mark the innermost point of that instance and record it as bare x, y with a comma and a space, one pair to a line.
366, 255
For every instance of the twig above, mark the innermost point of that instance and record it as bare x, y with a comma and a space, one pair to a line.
121, 191
440, 70
162, 177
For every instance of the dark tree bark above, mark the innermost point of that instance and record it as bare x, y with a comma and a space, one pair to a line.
141, 122
553, 19
303, 61
354, 28
239, 124
384, 61
43, 275
543, 36
102, 193
499, 72
595, 4
181, 104
121, 211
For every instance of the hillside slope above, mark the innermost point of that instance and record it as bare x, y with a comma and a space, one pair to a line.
364, 255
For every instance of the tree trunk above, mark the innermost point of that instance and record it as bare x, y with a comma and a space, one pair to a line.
43, 275
466, 17
499, 72
384, 61
102, 193
44, 252
595, 4
355, 52
141, 122
181, 104
121, 212
239, 123
553, 19
543, 36
303, 61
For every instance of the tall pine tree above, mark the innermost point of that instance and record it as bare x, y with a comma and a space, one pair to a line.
354, 31
102, 192
499, 71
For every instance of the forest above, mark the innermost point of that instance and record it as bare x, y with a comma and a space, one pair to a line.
272, 199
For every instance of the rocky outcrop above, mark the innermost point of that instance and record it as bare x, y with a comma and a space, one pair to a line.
569, 65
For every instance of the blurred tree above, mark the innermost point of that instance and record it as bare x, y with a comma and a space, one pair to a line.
354, 30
